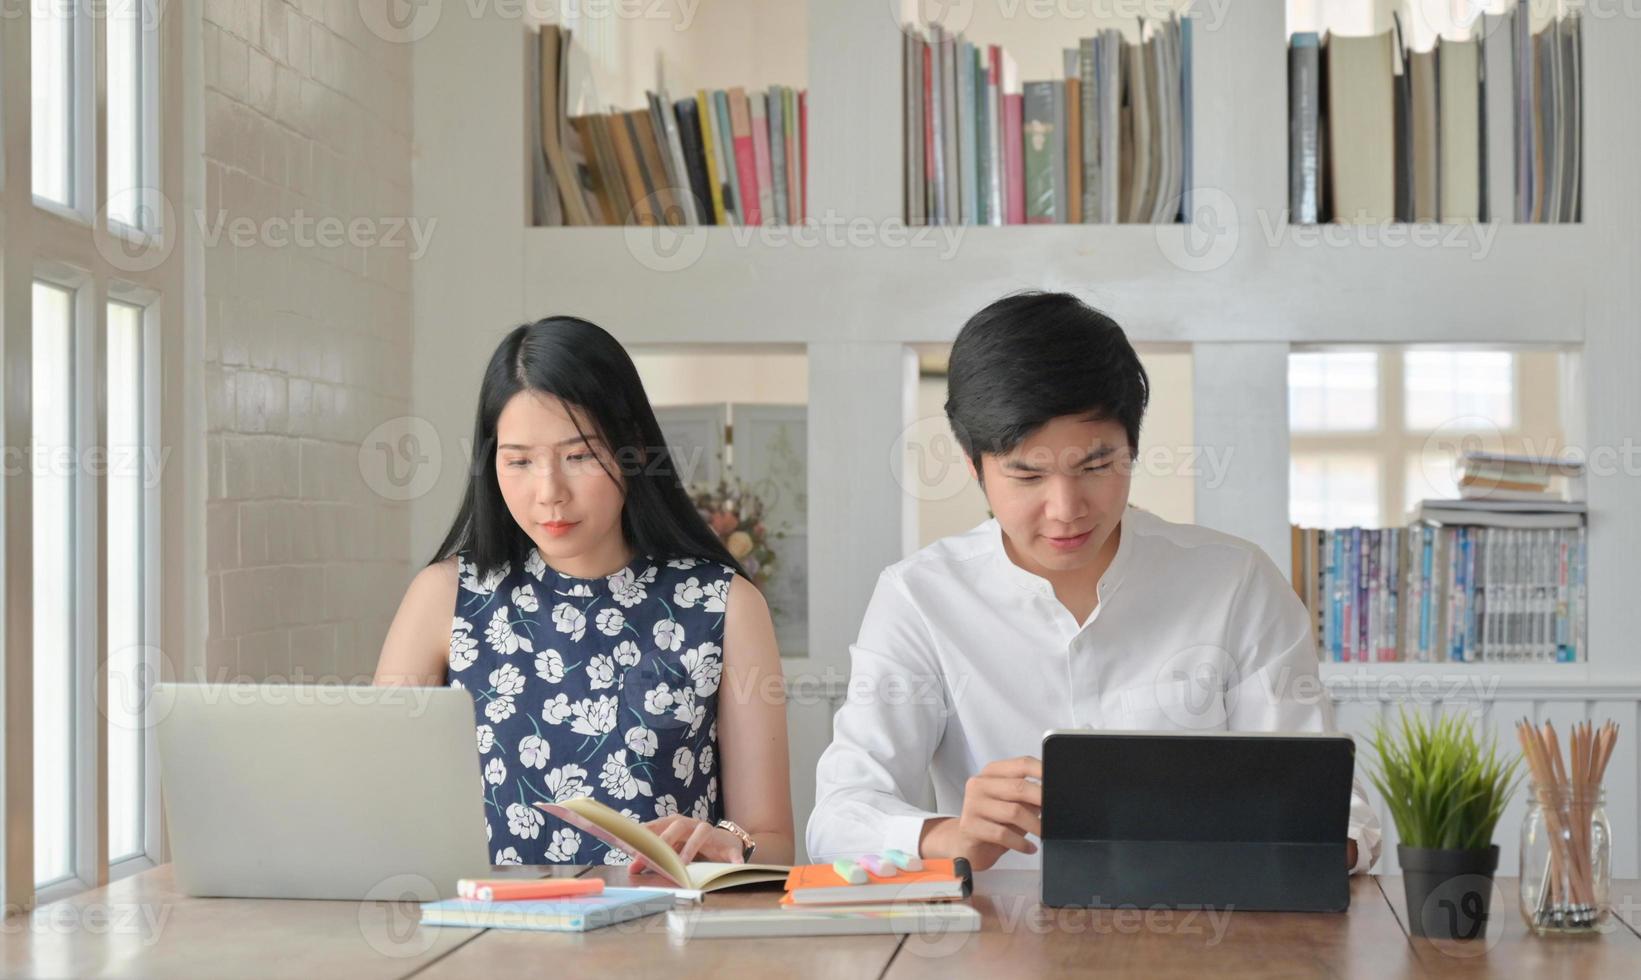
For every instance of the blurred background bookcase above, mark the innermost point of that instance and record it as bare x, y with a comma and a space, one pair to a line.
1236, 290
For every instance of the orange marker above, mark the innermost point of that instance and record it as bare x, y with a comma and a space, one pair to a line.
514, 890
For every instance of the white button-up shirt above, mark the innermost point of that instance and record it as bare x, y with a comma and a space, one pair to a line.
965, 658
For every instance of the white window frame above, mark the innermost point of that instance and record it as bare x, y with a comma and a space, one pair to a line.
79, 247
1392, 442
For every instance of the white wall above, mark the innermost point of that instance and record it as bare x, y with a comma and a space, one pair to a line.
307, 346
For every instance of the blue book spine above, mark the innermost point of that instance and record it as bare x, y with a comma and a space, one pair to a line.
1427, 536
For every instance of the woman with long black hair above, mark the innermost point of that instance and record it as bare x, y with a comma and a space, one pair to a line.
613, 646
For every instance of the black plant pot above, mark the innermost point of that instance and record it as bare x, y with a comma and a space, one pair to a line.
1448, 892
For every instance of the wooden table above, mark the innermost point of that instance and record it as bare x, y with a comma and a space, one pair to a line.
142, 927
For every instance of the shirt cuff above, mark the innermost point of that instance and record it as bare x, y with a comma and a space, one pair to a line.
1367, 846
903, 832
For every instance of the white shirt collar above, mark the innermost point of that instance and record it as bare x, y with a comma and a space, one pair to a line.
1032, 582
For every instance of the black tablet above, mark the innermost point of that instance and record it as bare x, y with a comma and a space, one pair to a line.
1234, 820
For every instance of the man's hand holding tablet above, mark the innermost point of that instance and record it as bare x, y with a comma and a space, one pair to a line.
1001, 805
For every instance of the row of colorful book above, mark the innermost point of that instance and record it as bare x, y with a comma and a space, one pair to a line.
1453, 593
1109, 142
1486, 127
724, 157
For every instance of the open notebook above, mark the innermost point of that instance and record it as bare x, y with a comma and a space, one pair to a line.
628, 835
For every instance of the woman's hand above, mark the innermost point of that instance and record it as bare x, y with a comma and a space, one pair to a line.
694, 840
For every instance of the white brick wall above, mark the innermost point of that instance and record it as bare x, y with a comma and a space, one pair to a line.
307, 115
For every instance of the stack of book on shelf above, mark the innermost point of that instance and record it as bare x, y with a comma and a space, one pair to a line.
724, 157
1473, 579
1377, 132
1109, 142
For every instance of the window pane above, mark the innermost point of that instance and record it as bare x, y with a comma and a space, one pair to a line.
1333, 392
53, 466
1333, 491
1430, 476
52, 92
128, 98
1469, 389
127, 477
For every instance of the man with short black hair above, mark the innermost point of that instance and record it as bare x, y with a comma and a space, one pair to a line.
1068, 609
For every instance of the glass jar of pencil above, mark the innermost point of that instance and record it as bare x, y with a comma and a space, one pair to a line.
1566, 858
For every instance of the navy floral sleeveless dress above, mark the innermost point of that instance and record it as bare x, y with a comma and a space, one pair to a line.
603, 687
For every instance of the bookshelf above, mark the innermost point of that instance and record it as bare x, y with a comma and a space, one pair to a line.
857, 308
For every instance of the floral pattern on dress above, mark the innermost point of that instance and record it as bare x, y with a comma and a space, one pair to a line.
601, 687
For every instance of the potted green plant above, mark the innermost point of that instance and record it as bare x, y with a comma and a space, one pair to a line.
1445, 789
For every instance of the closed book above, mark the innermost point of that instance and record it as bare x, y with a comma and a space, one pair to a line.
912, 126
612, 906
934, 128
1304, 122
614, 181
652, 159
1058, 148
746, 157
820, 884
1014, 158
758, 104
931, 919
982, 138
1140, 113
1040, 172
994, 117
1424, 131
710, 155
607, 213
967, 172
625, 142
1458, 72
1089, 111
794, 159
1496, 120
951, 133
777, 153
672, 153
734, 201
688, 115
1361, 115
1109, 77
1073, 136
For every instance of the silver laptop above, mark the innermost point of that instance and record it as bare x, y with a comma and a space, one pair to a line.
321, 791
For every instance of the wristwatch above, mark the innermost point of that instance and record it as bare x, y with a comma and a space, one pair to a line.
748, 845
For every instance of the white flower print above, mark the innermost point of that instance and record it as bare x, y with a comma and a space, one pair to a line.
683, 564
524, 821
566, 844
717, 599
601, 669
495, 772
687, 709
683, 764
619, 781
507, 680
499, 709
704, 666
507, 855
534, 564
705, 765
463, 648
616, 857
501, 636
534, 750
657, 702
458, 685
699, 811
550, 666
712, 790
581, 590
487, 738
567, 784
570, 620
524, 597
627, 653
666, 805
593, 717
688, 592
626, 589
489, 832
555, 709
668, 634
610, 621
641, 740
486, 585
